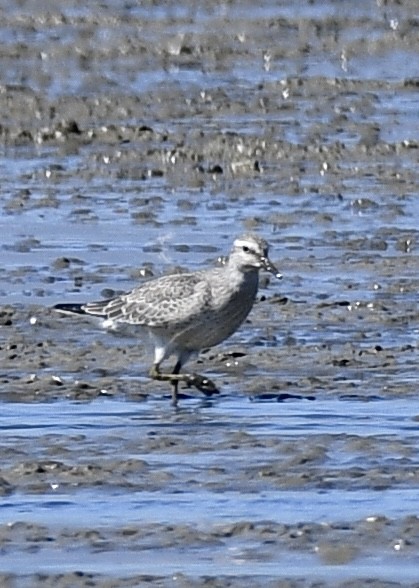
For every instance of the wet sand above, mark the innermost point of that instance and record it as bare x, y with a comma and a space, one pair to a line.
138, 140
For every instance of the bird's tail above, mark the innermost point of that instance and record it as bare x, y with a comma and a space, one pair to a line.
97, 309
70, 308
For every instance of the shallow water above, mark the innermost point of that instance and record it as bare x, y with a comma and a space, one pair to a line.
202, 481
190, 491
137, 139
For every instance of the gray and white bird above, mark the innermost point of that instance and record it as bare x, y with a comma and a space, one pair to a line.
185, 313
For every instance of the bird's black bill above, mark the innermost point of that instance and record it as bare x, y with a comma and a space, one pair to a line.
269, 267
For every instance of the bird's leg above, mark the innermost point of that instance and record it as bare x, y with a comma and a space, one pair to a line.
175, 383
200, 382
156, 374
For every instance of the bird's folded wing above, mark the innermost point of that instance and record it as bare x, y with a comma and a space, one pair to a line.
169, 300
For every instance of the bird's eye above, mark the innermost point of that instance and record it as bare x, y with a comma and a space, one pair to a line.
246, 249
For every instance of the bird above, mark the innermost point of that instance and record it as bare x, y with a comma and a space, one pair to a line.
188, 312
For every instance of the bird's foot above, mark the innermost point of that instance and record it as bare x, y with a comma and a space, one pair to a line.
204, 385
201, 383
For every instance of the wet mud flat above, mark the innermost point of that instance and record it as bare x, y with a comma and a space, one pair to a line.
138, 140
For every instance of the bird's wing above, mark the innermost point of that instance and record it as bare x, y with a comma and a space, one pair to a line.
166, 301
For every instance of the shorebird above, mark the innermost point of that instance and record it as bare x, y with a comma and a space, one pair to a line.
185, 313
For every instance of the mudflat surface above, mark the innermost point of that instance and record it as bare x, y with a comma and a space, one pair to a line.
137, 140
